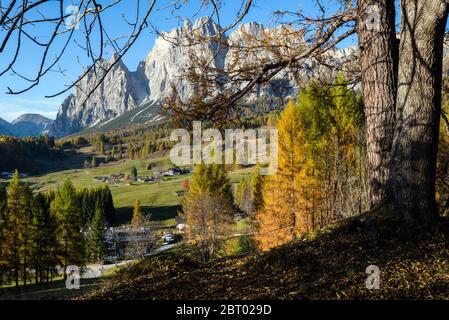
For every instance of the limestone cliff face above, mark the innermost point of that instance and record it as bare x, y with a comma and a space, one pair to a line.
249, 36
169, 60
165, 66
121, 91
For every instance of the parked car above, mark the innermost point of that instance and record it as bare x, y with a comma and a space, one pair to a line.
168, 238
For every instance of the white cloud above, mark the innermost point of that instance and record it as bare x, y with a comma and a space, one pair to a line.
12, 108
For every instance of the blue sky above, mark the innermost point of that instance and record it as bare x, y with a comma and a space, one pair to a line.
34, 101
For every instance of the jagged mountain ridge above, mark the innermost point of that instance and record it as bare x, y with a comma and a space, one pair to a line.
27, 125
162, 69
166, 61
121, 91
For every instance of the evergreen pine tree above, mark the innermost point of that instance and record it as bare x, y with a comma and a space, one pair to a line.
70, 239
18, 224
3, 207
133, 174
101, 148
120, 152
108, 205
96, 238
40, 233
45, 245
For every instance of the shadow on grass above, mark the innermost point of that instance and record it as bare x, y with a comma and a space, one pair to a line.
69, 161
123, 215
55, 290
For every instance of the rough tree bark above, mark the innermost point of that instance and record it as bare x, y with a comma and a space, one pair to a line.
418, 108
378, 62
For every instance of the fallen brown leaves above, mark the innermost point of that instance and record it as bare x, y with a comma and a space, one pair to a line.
328, 265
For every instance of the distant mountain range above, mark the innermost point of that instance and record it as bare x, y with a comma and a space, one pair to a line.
27, 125
129, 97
133, 97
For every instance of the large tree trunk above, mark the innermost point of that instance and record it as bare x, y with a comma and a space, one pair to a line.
378, 61
418, 108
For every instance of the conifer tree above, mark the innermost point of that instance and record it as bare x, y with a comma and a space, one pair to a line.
41, 234
138, 219
244, 199
71, 241
18, 224
101, 148
3, 207
108, 205
240, 190
96, 238
257, 188
86, 198
133, 173
319, 148
44, 243
120, 152
246, 204
207, 206
279, 220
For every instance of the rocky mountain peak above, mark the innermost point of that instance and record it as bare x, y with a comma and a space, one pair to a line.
163, 72
120, 92
33, 118
27, 125
167, 62
206, 26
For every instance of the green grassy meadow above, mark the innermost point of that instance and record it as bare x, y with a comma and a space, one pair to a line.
158, 199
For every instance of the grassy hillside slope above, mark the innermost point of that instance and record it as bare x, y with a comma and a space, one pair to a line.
158, 199
148, 113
